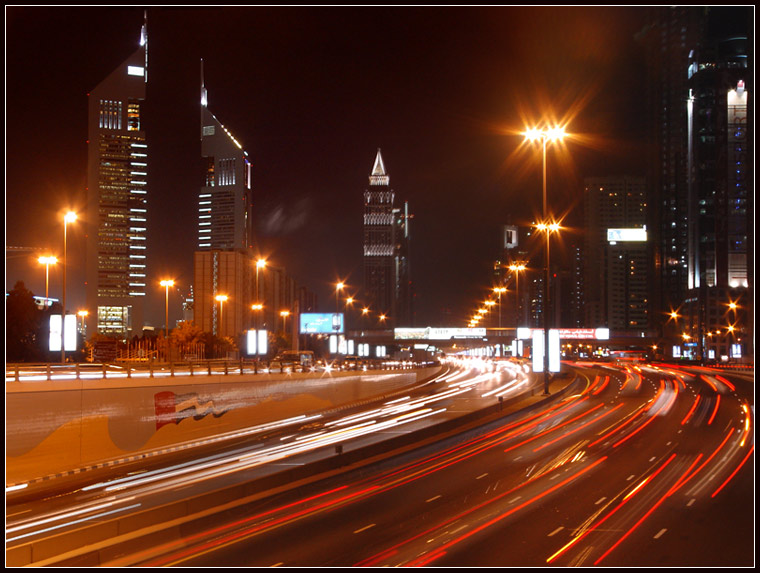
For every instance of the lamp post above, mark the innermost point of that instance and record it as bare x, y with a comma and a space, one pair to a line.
338, 288
516, 268
284, 314
47, 261
499, 291
553, 134
221, 298
69, 217
260, 265
83, 314
167, 283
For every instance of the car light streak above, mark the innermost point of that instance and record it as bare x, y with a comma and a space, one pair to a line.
715, 409
68, 523
691, 412
730, 477
582, 426
708, 460
442, 549
591, 528
639, 522
661, 409
251, 530
603, 386
727, 383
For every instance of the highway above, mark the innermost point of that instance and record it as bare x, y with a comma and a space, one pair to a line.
627, 466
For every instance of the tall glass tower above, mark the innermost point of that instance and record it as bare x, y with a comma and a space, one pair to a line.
223, 260
117, 197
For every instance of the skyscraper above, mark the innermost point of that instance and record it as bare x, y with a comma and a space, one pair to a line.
117, 197
225, 203
223, 261
701, 210
387, 281
615, 249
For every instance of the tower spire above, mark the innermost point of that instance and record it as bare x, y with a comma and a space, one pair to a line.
379, 176
204, 93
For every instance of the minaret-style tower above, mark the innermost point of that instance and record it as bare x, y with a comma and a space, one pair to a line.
379, 241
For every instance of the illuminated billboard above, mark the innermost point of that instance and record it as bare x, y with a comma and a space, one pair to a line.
431, 333
629, 235
69, 333
318, 323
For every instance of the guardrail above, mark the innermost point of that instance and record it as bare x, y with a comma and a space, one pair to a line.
38, 372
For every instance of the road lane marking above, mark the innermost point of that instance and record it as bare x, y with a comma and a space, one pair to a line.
600, 500
560, 528
482, 476
659, 533
432, 499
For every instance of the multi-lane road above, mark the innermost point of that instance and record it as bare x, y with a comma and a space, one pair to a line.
632, 465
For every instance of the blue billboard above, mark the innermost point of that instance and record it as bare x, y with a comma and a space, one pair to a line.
317, 323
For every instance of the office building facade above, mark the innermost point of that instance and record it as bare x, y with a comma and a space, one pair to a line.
117, 197
386, 263
223, 263
615, 249
699, 91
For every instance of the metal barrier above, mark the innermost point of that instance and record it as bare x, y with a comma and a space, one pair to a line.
78, 371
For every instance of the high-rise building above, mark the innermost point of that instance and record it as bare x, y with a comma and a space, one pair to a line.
225, 201
224, 259
387, 281
701, 205
615, 275
117, 197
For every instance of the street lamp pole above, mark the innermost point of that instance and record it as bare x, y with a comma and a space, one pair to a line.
338, 287
167, 284
544, 135
221, 298
69, 217
47, 261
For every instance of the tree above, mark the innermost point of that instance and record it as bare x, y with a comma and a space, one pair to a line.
23, 326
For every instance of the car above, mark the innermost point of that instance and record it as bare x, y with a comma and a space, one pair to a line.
292, 361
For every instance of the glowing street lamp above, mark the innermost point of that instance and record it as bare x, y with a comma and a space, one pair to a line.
284, 314
553, 134
47, 261
260, 265
83, 315
499, 291
69, 217
167, 284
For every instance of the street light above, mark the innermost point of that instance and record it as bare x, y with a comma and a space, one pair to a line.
260, 265
517, 268
167, 284
499, 291
545, 135
69, 217
83, 314
221, 298
284, 314
338, 288
47, 261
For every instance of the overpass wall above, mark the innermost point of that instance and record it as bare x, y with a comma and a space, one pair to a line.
54, 427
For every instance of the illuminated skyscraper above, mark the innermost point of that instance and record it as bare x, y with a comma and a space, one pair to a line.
387, 282
225, 204
224, 259
117, 197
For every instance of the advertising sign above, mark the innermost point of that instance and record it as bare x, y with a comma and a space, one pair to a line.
69, 333
318, 323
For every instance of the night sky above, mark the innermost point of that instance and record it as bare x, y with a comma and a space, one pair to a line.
312, 93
